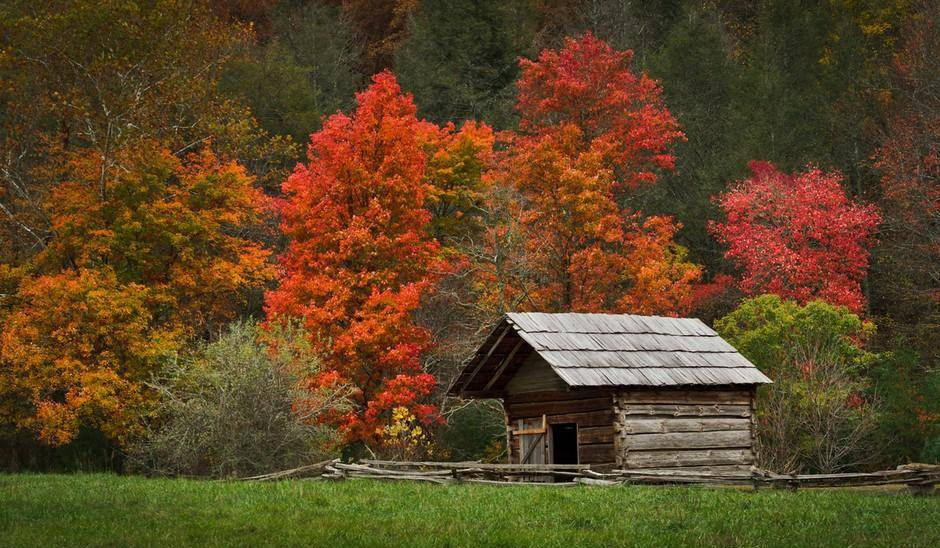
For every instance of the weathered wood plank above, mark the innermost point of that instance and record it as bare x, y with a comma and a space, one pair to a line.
556, 395
649, 425
686, 397
374, 476
726, 469
717, 410
474, 464
532, 447
559, 407
687, 440
534, 375
603, 467
583, 420
367, 469
596, 453
596, 434
672, 459
518, 483
514, 450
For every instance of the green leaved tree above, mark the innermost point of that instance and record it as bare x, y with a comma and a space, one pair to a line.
820, 415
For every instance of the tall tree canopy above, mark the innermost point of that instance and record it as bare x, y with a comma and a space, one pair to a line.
304, 71
381, 25
907, 264
99, 74
590, 86
821, 413
460, 59
798, 235
361, 253
591, 131
146, 255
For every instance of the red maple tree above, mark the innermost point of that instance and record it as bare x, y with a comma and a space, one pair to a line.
359, 255
797, 236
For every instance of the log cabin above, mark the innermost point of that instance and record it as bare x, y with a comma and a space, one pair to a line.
617, 391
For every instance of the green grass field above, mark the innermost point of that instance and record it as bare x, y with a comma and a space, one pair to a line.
107, 510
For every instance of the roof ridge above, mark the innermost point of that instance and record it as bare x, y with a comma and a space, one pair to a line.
609, 314
601, 349
618, 351
622, 333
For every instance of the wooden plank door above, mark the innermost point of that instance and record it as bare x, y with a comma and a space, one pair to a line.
533, 441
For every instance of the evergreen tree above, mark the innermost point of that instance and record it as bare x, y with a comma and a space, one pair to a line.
814, 72
304, 72
460, 59
699, 80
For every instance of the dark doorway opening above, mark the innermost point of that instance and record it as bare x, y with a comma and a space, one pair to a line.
565, 443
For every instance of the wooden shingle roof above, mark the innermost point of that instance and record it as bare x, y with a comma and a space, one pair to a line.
608, 350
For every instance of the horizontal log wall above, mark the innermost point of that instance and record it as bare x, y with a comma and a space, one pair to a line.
702, 430
534, 375
591, 410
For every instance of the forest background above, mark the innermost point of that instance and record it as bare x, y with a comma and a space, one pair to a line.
325, 205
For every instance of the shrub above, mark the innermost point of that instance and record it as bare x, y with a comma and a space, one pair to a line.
404, 438
475, 430
910, 390
931, 452
239, 407
819, 415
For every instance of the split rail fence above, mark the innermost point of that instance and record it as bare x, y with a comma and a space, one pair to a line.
921, 478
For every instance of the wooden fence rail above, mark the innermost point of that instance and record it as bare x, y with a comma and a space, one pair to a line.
920, 478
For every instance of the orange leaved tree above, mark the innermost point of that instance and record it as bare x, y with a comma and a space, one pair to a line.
361, 255
147, 252
592, 131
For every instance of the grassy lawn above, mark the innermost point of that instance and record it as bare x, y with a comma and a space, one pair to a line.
106, 510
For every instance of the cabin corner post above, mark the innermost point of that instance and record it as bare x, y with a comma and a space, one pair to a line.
620, 446
509, 455
754, 444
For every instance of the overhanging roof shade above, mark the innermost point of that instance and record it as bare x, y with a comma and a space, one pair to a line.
598, 350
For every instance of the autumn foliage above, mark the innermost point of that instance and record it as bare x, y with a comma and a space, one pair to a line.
591, 131
909, 163
798, 236
620, 115
361, 253
148, 253
142, 205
